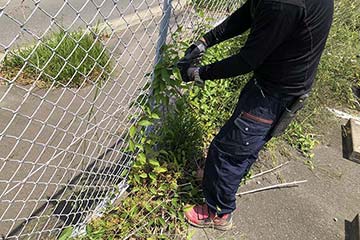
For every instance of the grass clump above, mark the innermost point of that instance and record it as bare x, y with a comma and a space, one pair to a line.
66, 59
211, 4
339, 69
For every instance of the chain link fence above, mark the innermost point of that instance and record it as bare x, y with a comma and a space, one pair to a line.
69, 71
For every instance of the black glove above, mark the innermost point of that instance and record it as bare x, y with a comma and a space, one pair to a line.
195, 51
194, 75
184, 65
189, 73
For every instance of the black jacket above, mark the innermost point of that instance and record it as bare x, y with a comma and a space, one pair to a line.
286, 40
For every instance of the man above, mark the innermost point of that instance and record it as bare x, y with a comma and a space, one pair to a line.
283, 49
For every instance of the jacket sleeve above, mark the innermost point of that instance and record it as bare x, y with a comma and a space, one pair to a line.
273, 24
234, 25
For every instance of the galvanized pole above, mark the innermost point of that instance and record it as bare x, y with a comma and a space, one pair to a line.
164, 27
163, 32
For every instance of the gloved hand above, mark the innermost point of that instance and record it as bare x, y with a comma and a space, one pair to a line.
190, 73
194, 75
195, 51
184, 65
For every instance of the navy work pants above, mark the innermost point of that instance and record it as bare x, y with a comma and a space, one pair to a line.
236, 147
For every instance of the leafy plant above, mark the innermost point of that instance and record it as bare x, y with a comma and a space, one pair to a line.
163, 176
300, 139
66, 233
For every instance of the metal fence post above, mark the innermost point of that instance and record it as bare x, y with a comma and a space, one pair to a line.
164, 27
163, 32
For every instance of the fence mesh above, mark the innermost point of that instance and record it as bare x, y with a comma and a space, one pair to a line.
69, 71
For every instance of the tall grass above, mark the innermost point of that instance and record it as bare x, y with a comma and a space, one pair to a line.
64, 58
339, 69
211, 4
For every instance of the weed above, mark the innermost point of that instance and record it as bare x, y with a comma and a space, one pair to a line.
300, 139
163, 175
210, 5
340, 66
66, 59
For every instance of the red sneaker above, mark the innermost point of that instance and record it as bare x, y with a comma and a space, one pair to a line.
201, 216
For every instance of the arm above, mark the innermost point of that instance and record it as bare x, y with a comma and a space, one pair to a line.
273, 23
234, 25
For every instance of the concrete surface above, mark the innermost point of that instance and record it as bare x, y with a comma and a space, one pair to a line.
319, 209
50, 145
37, 17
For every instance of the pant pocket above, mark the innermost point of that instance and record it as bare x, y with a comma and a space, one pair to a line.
246, 135
253, 128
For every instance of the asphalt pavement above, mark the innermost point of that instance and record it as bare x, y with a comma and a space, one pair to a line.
24, 21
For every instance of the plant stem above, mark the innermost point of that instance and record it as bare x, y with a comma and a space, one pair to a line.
282, 185
268, 171
144, 225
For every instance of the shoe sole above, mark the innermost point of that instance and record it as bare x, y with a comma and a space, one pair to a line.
224, 227
217, 227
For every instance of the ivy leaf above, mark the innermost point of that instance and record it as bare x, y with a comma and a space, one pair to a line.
152, 176
131, 146
137, 178
177, 74
154, 163
132, 131
139, 146
143, 175
160, 169
162, 222
66, 233
147, 110
155, 116
165, 75
145, 123
142, 158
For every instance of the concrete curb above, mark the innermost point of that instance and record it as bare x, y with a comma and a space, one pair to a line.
141, 16
133, 19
